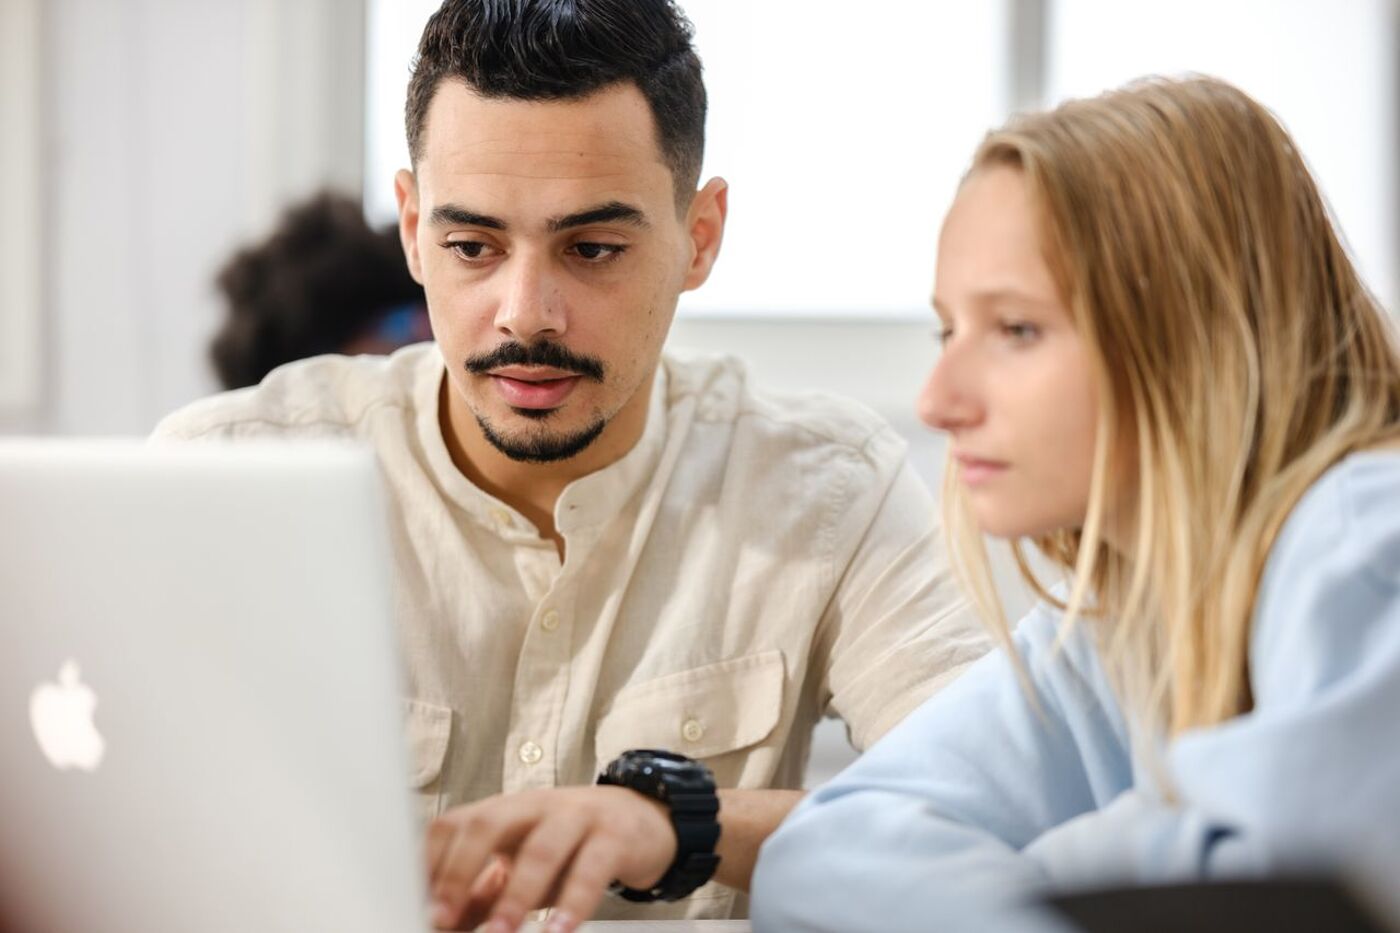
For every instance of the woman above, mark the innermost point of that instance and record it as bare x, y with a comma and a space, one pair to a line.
1159, 368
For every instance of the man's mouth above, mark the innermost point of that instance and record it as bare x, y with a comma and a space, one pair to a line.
533, 387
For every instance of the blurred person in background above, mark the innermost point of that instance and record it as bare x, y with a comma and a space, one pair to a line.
322, 282
1161, 370
609, 558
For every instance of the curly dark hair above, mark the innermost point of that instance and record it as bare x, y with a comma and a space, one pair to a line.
322, 277
567, 49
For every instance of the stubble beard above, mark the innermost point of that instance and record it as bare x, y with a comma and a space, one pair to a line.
543, 446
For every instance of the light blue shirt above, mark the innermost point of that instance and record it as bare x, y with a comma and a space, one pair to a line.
978, 801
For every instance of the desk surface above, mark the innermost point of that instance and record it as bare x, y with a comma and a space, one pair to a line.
656, 926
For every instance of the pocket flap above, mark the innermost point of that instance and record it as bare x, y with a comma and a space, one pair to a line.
427, 727
701, 712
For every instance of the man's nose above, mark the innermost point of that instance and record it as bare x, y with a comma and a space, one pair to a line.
532, 307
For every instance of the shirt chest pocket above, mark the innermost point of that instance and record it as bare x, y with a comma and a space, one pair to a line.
428, 730
718, 713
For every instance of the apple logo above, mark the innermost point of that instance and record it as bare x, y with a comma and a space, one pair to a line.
61, 715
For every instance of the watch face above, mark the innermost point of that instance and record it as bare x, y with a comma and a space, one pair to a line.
666, 761
659, 773
644, 769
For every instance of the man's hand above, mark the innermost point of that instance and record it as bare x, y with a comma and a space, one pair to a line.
507, 855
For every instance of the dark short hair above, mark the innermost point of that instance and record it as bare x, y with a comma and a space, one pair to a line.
318, 280
567, 49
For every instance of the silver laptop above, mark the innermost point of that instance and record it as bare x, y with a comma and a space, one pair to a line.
199, 723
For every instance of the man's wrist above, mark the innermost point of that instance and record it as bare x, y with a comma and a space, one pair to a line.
686, 790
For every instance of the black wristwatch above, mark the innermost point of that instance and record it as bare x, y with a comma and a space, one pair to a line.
687, 788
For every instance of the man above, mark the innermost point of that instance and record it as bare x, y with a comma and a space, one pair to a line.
601, 548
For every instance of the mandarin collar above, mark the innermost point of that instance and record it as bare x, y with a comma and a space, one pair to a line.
586, 502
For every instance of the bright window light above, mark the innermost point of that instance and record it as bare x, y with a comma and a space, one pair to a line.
842, 138
1327, 70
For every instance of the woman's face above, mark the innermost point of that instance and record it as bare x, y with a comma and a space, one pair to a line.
1013, 386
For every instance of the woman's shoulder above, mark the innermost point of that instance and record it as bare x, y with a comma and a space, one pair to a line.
1330, 594
1350, 516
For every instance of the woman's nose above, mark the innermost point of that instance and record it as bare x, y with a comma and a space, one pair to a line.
946, 402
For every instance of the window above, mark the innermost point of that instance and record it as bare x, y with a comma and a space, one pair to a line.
842, 137
392, 38
1328, 70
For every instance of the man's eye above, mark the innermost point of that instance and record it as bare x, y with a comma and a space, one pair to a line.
598, 252
468, 249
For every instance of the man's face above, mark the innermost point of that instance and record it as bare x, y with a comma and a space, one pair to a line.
547, 238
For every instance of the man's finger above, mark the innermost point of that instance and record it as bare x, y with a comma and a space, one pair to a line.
485, 892
592, 870
478, 832
435, 842
455, 878
539, 864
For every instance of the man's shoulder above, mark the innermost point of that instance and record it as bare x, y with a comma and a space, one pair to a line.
319, 396
725, 393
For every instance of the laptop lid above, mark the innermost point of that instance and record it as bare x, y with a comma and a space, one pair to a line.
199, 714
1275, 905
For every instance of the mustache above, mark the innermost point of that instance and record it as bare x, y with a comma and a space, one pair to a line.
544, 353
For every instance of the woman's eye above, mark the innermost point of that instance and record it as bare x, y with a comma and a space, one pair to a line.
598, 252
942, 334
1020, 331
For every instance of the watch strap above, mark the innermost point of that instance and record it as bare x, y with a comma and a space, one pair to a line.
693, 807
695, 818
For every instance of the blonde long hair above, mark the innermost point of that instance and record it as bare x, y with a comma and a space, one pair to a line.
1238, 357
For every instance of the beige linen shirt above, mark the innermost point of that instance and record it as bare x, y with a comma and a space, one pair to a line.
754, 562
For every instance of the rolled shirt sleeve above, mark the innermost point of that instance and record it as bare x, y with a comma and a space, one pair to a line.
897, 629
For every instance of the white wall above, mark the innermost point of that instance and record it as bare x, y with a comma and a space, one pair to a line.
20, 291
173, 130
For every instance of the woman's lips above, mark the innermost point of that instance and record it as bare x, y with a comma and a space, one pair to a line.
975, 471
534, 393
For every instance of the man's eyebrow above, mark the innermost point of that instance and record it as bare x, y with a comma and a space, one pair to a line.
612, 212
452, 215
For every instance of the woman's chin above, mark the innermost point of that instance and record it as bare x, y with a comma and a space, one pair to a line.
1009, 524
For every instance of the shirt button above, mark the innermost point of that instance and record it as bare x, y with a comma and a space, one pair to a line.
549, 621
502, 517
530, 753
693, 730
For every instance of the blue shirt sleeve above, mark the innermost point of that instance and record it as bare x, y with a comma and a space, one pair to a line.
983, 798
1310, 777
930, 824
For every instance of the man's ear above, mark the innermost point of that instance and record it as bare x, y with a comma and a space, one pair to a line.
406, 192
705, 223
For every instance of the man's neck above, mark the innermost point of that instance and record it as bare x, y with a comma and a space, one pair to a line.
532, 489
